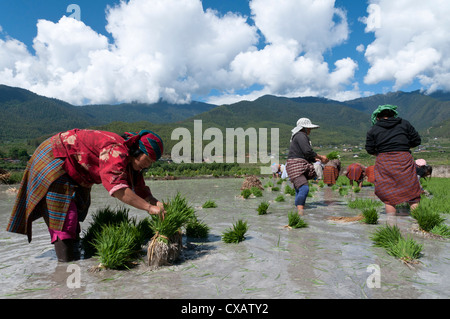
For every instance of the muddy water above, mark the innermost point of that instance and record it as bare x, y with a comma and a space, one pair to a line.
325, 260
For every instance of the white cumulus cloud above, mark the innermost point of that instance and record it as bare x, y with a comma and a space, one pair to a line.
174, 49
411, 43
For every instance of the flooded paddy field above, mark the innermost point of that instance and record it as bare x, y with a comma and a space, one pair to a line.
325, 260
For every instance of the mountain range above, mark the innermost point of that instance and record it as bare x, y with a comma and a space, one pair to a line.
26, 115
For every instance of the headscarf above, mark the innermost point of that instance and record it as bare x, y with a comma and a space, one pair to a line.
421, 162
381, 108
148, 142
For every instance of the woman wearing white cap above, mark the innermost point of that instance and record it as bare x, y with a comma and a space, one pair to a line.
299, 165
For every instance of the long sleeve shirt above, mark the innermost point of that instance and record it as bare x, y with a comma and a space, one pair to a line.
98, 157
391, 135
301, 147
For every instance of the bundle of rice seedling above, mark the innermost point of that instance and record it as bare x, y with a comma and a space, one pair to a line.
333, 155
102, 217
269, 184
262, 208
363, 203
209, 204
197, 229
289, 190
441, 230
235, 234
256, 192
343, 191
426, 217
370, 216
391, 239
115, 238
279, 198
246, 193
165, 246
117, 245
295, 221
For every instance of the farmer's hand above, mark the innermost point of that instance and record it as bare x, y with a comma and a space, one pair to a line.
156, 210
323, 158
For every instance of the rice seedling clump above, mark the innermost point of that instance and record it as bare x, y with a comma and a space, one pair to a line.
370, 216
197, 229
209, 204
289, 190
391, 239
262, 208
295, 221
236, 234
426, 217
117, 245
245, 193
115, 238
256, 191
166, 244
363, 203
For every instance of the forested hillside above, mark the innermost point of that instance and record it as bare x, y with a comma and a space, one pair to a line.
25, 116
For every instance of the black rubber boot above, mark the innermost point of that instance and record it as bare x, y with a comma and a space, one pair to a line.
64, 249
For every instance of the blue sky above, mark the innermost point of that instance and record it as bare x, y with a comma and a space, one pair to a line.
180, 50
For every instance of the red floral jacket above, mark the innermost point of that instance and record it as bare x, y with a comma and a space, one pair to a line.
98, 157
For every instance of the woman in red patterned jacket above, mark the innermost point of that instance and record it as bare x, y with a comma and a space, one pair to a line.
391, 139
59, 176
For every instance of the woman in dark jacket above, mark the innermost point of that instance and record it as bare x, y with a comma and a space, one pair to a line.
299, 165
391, 139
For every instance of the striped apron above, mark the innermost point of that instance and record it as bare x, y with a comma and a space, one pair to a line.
45, 191
396, 179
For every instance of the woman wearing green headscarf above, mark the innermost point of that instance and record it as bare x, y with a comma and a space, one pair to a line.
391, 139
